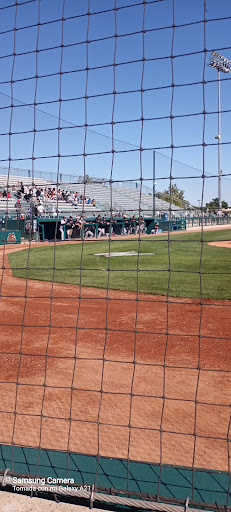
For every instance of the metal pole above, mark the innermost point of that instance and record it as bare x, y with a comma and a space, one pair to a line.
219, 140
154, 184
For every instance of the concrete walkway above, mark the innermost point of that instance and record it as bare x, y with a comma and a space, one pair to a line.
18, 503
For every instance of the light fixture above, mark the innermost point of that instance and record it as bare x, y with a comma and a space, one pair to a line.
223, 65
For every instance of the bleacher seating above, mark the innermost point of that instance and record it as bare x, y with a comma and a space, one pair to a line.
146, 200
122, 199
16, 180
107, 197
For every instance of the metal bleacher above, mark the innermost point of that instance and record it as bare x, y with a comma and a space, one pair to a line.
122, 199
107, 197
146, 200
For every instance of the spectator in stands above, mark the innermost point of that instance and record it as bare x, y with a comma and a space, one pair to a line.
18, 208
18, 194
4, 194
42, 195
71, 197
40, 210
76, 200
18, 205
28, 196
61, 228
53, 212
35, 210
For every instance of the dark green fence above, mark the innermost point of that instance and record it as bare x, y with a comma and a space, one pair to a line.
12, 236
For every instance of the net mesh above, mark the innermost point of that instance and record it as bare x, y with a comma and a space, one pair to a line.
116, 376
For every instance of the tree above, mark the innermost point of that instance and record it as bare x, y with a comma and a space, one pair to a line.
87, 178
214, 204
176, 195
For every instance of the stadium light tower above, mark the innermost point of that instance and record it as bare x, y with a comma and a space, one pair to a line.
220, 63
154, 184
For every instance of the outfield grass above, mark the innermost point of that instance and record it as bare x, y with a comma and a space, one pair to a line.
185, 255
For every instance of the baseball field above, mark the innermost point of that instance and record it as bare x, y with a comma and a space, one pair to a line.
89, 366
155, 265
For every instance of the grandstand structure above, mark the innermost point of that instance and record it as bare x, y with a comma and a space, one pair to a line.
109, 198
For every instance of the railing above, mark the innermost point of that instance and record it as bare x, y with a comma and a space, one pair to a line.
208, 221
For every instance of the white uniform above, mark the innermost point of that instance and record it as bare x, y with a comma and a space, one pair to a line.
63, 222
40, 209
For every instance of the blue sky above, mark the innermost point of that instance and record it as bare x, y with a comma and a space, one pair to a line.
130, 74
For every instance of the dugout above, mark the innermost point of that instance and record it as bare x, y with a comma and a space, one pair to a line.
13, 224
165, 225
26, 227
47, 226
47, 229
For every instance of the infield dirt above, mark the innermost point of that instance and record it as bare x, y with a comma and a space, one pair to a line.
226, 243
162, 367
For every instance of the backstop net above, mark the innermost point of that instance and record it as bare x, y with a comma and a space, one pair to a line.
115, 251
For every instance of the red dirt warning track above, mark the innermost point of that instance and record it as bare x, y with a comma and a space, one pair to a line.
169, 374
